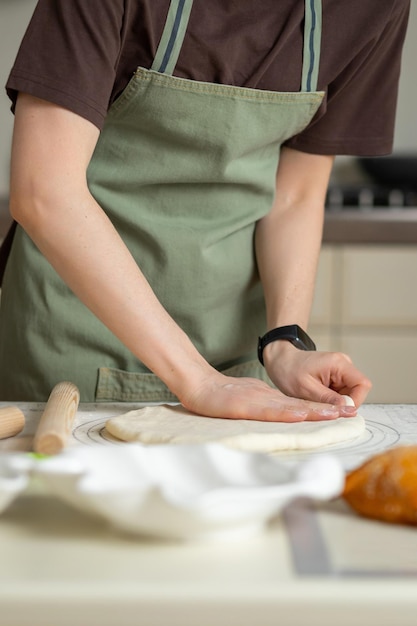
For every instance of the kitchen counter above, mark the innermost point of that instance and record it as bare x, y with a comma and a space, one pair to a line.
316, 565
370, 226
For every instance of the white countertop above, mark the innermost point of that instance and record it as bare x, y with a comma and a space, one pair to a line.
313, 565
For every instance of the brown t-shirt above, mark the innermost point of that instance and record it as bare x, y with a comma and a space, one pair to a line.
80, 54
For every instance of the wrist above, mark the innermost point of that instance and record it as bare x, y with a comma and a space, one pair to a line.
189, 378
184, 370
291, 334
277, 352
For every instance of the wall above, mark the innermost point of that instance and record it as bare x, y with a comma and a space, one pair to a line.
406, 127
14, 17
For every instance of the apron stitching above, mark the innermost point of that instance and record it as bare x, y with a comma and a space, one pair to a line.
183, 84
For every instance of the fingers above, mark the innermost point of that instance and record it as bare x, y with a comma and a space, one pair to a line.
360, 392
299, 412
251, 399
275, 406
337, 397
349, 382
334, 378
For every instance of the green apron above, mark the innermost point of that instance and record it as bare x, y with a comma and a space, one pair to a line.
184, 170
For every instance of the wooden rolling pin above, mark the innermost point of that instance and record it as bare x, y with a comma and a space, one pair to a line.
57, 419
12, 421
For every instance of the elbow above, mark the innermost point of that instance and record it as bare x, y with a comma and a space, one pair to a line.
17, 206
23, 204
30, 206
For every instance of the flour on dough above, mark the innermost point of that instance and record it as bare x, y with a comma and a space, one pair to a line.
174, 424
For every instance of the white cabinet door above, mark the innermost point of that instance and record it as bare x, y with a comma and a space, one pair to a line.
380, 286
366, 305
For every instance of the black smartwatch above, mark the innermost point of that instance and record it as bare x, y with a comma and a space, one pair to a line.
293, 333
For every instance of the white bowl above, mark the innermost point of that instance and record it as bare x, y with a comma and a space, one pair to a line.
184, 492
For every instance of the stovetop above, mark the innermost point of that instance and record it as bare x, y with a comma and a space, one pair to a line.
370, 196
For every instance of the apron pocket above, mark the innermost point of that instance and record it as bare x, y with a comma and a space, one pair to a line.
119, 386
116, 385
251, 369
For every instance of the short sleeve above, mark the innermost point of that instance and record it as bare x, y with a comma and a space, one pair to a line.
69, 55
358, 114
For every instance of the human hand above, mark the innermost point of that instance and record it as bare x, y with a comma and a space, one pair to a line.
316, 376
252, 399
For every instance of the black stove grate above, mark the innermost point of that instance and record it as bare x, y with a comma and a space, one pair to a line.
370, 197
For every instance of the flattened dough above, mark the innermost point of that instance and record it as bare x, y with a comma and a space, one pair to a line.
174, 424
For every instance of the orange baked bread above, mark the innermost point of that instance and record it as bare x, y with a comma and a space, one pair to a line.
385, 486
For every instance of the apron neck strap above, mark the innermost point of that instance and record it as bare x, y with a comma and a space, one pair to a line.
173, 36
176, 26
312, 45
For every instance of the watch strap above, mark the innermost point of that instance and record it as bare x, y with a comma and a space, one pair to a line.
293, 333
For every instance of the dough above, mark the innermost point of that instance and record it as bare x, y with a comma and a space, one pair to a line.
174, 424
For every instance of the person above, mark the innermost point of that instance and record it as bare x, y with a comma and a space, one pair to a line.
169, 168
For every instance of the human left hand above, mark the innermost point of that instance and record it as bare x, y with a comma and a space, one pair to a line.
316, 376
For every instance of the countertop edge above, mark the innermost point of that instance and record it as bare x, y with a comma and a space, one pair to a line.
372, 226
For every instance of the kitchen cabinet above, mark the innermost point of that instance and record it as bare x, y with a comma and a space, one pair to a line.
366, 306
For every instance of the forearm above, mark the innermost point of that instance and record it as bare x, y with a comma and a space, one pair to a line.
287, 250
288, 240
83, 247
50, 198
288, 244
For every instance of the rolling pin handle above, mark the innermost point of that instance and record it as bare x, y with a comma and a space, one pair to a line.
12, 421
57, 419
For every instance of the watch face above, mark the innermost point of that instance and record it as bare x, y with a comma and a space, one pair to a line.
305, 342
